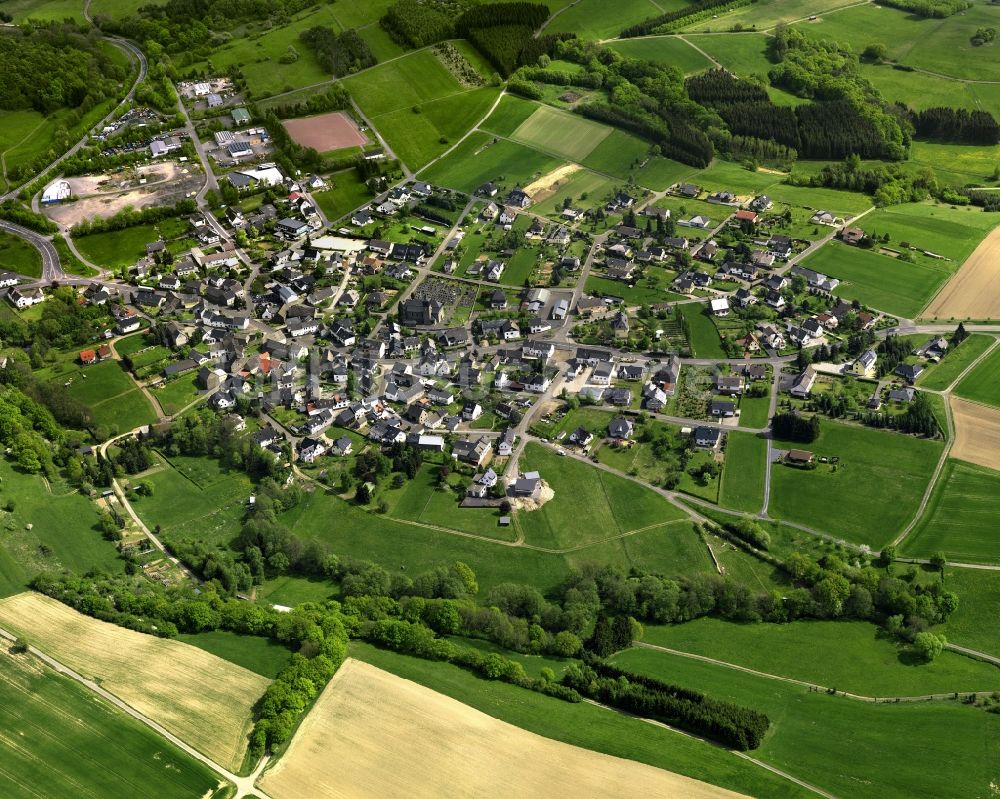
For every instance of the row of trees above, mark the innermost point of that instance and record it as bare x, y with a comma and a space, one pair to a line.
663, 23
130, 217
795, 427
956, 125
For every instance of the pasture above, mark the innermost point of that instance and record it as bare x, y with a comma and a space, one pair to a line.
939, 376
814, 735
982, 384
846, 655
478, 159
177, 394
953, 232
590, 505
509, 115
373, 733
115, 401
977, 433
263, 656
960, 517
969, 294
412, 80
117, 248
851, 502
202, 699
560, 132
636, 295
62, 742
879, 281
596, 19
743, 478
766, 14
44, 10
586, 725
973, 624
668, 50
16, 255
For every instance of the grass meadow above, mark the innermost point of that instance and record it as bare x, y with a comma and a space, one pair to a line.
838, 744
117, 248
586, 725
112, 397
973, 624
880, 281
478, 159
960, 519
16, 255
743, 478
560, 132
63, 742
177, 394
597, 19
940, 375
982, 384
846, 655
705, 340
264, 656
347, 191
852, 502
953, 232
667, 50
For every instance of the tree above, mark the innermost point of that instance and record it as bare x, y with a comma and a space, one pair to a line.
875, 52
938, 562
887, 556
928, 646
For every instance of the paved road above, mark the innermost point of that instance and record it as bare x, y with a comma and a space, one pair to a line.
244, 785
51, 266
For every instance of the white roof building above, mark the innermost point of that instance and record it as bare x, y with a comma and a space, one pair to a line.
56, 192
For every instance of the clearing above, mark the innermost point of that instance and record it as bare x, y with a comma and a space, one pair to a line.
977, 433
970, 293
372, 733
202, 699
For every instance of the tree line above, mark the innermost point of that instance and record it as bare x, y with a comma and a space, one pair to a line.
956, 125
663, 23
339, 53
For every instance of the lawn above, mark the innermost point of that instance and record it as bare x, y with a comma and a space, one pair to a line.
754, 411
639, 294
585, 725
16, 255
705, 340
960, 519
743, 478
879, 281
846, 655
611, 506
117, 248
814, 735
981, 384
667, 50
478, 160
852, 502
61, 738
561, 132
940, 375
265, 656
177, 394
347, 192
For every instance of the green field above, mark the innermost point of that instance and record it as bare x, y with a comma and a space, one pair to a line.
560, 132
16, 255
847, 747
766, 14
111, 395
959, 519
414, 79
265, 656
597, 19
705, 341
639, 294
743, 478
177, 394
509, 115
62, 742
973, 624
478, 159
941, 229
956, 163
879, 281
586, 725
117, 248
940, 375
668, 50
44, 10
852, 502
981, 384
347, 191
847, 655
584, 182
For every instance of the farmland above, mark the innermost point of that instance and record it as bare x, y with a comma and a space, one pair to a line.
982, 384
958, 519
845, 501
564, 134
116, 402
811, 728
941, 375
968, 294
59, 735
594, 19
478, 159
666, 50
977, 433
202, 699
379, 714
743, 478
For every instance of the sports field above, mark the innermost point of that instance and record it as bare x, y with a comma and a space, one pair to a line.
879, 281
561, 133
326, 132
982, 384
743, 478
960, 517
977, 433
372, 733
811, 731
59, 741
203, 700
851, 502
970, 294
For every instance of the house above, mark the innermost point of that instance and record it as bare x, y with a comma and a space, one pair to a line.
687, 190
865, 365
343, 446
750, 217
701, 222
620, 325
780, 247
471, 411
560, 308
505, 446
528, 485
602, 373
720, 306
761, 203
775, 300
498, 300
630, 371
824, 218
518, 199
310, 449
475, 451
708, 437
723, 198
291, 228
620, 428
729, 384
902, 394
482, 483
25, 298
88, 357
744, 297
909, 371
851, 235
581, 437
799, 457
722, 408
487, 190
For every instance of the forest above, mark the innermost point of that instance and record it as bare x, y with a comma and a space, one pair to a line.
339, 53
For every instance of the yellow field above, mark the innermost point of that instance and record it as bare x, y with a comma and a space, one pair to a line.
977, 433
372, 733
971, 293
203, 700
